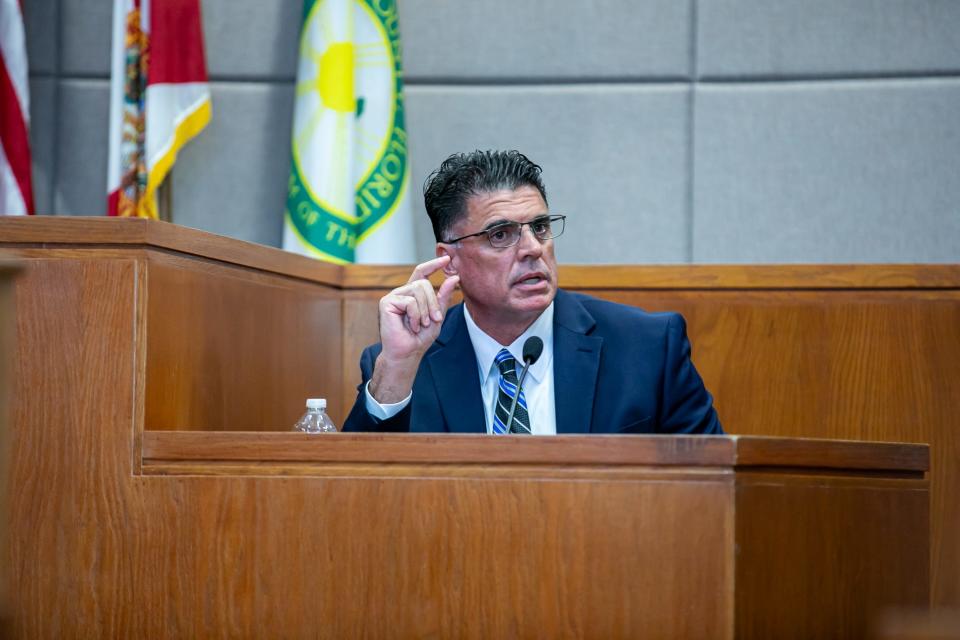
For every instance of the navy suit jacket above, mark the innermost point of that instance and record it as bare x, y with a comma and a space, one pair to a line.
617, 369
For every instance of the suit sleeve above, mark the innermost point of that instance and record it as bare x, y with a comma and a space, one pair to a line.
687, 406
359, 418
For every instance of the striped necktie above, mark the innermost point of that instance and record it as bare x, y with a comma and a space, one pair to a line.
505, 394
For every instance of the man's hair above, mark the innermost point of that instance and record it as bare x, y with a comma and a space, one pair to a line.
462, 175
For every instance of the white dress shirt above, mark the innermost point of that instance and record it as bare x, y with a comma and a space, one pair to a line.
537, 386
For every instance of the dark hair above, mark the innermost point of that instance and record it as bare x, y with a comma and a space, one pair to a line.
462, 175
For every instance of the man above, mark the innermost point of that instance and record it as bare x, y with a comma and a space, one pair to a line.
605, 367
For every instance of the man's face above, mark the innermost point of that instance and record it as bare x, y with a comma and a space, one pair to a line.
504, 288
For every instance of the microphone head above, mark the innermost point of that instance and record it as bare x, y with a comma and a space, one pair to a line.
532, 348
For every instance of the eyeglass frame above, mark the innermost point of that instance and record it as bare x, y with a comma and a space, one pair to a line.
552, 219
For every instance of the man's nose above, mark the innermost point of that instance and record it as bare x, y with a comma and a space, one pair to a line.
529, 243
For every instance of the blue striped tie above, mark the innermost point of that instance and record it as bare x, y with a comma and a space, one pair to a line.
507, 391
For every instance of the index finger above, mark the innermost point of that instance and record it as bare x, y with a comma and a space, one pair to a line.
425, 269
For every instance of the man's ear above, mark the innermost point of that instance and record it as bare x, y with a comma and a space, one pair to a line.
445, 250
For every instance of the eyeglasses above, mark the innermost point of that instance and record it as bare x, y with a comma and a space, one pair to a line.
507, 234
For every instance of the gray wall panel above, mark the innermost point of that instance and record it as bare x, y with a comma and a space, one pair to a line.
87, 30
257, 40
837, 172
251, 39
540, 38
40, 27
821, 170
232, 178
43, 115
833, 37
613, 158
82, 123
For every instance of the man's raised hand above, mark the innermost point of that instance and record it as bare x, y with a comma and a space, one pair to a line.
410, 319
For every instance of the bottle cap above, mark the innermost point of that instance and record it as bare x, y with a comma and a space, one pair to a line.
316, 403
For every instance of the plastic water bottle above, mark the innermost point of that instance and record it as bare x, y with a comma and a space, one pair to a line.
315, 420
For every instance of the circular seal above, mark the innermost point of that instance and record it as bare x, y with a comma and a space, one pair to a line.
349, 141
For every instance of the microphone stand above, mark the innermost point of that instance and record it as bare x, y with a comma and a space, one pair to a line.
516, 396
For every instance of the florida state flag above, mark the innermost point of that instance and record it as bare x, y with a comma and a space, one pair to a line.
159, 98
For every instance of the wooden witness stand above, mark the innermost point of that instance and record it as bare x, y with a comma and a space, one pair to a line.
573, 536
157, 492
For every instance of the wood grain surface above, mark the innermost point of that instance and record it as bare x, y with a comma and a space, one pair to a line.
52, 232
919, 623
710, 277
861, 352
73, 417
8, 272
598, 450
236, 349
355, 557
830, 454
103, 551
100, 550
807, 549
446, 449
865, 352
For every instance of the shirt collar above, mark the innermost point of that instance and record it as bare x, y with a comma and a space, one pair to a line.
487, 348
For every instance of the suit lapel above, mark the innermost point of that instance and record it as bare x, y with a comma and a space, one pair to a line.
576, 363
453, 367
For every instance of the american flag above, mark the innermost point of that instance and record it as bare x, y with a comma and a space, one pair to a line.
16, 192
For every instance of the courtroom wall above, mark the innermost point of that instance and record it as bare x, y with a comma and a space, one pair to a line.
671, 131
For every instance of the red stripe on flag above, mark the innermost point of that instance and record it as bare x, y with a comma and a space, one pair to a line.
176, 42
113, 203
13, 136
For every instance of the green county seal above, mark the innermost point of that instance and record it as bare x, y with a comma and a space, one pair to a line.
350, 165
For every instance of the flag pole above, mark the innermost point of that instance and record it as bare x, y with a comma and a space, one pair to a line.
165, 199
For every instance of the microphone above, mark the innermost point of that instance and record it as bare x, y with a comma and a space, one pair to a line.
532, 348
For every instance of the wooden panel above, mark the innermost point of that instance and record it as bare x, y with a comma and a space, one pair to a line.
430, 558
830, 454
236, 349
872, 365
52, 232
919, 624
808, 548
360, 330
73, 415
439, 449
100, 550
598, 450
712, 277
860, 352
8, 271
858, 364
760, 276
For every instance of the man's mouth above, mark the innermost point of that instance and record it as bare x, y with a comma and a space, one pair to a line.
531, 279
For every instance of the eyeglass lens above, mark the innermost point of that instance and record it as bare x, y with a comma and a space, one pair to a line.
507, 235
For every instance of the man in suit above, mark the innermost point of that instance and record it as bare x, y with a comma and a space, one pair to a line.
605, 367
